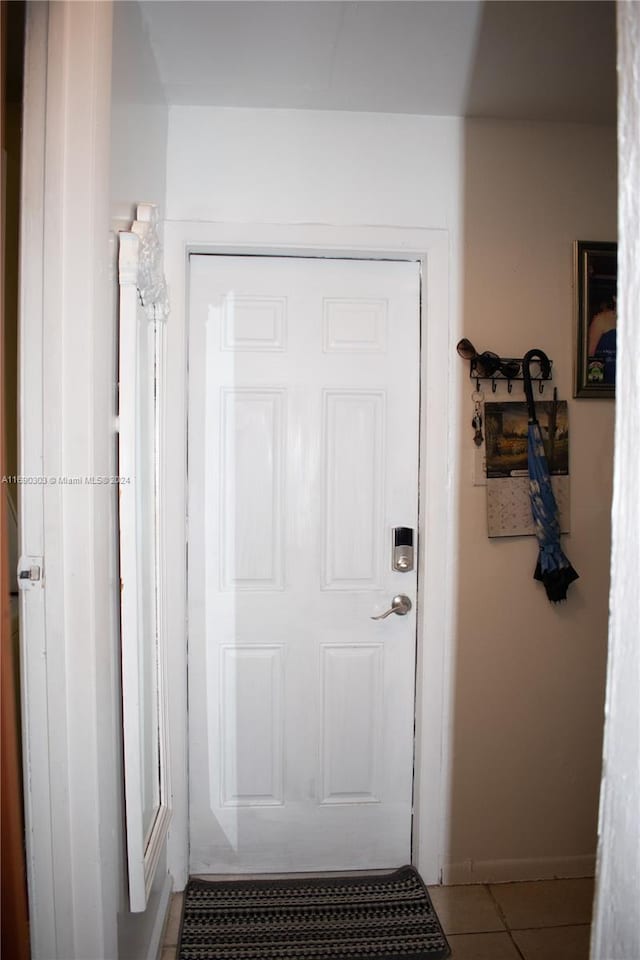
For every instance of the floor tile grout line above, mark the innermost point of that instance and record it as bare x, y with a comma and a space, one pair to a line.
499, 909
503, 917
551, 926
515, 946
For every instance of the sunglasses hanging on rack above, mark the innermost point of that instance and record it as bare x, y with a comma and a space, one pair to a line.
490, 366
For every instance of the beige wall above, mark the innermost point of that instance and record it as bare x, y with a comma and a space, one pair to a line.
527, 679
529, 676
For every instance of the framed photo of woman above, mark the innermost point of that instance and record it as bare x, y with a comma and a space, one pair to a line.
595, 282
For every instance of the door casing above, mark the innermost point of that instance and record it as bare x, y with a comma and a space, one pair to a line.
437, 522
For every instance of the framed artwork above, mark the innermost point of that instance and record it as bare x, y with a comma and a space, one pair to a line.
508, 485
595, 284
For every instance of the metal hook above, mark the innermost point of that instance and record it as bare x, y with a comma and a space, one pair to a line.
493, 386
541, 386
509, 386
478, 384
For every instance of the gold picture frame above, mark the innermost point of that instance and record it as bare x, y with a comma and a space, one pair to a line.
595, 284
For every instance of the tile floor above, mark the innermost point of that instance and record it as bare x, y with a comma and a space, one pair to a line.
540, 920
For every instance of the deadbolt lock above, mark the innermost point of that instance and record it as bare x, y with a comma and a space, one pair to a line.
402, 549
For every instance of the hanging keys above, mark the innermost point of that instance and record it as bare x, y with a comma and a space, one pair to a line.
476, 422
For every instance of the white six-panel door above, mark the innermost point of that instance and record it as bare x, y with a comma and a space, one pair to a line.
303, 456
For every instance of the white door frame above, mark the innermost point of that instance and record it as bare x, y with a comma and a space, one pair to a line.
66, 398
437, 523
33, 664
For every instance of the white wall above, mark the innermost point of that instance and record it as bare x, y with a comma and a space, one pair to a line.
139, 119
616, 932
72, 725
525, 712
296, 166
341, 191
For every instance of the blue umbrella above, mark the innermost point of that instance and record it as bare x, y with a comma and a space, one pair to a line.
553, 567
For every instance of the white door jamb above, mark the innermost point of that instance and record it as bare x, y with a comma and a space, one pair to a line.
68, 655
437, 516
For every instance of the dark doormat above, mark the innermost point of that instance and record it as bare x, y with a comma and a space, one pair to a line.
384, 917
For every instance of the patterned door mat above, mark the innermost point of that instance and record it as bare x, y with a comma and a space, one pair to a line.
384, 917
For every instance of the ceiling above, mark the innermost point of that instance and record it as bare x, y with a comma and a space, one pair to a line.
521, 59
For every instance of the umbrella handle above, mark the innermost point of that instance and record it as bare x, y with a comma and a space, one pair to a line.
545, 367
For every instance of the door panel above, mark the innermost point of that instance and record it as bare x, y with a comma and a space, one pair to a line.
303, 455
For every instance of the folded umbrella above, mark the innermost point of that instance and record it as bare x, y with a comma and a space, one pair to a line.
553, 568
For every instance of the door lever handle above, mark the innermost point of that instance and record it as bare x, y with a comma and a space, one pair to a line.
400, 605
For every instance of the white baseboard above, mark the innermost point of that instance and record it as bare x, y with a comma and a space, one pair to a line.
157, 934
505, 871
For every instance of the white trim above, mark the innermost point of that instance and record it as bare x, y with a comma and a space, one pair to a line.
160, 924
431, 248
615, 931
509, 871
70, 704
33, 667
143, 295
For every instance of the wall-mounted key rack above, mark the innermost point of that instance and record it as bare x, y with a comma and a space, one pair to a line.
510, 370
489, 366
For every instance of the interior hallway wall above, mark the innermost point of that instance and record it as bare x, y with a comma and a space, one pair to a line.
524, 718
139, 118
299, 166
529, 675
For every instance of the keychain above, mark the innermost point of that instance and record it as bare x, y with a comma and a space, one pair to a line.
476, 422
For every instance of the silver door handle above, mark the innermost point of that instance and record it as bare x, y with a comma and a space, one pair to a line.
399, 605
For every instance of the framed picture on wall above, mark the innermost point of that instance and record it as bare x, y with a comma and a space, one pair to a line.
595, 285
